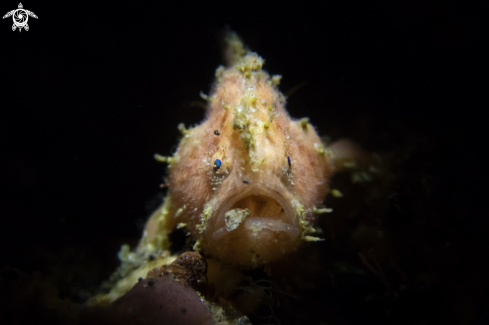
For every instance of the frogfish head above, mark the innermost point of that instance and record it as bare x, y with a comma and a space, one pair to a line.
248, 193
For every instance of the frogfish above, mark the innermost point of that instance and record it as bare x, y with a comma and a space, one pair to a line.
247, 184
249, 181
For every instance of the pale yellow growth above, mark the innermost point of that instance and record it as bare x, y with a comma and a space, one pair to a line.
255, 164
226, 107
155, 238
305, 225
275, 81
219, 73
174, 159
321, 211
184, 131
197, 246
329, 153
336, 193
180, 210
234, 218
248, 64
167, 159
256, 228
160, 158
204, 216
181, 225
203, 96
320, 148
312, 238
206, 97
271, 116
299, 209
304, 123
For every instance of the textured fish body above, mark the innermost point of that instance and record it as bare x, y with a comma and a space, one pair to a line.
259, 203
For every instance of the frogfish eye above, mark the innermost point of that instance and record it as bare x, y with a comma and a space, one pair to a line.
217, 164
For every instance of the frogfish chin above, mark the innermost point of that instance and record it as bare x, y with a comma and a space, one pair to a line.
249, 181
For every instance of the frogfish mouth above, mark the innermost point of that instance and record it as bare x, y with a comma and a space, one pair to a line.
249, 181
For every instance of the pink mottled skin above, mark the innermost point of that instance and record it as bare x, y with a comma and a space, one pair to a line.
257, 136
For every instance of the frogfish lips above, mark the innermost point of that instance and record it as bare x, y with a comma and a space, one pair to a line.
253, 227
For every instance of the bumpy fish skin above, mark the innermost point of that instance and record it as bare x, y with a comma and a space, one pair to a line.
247, 193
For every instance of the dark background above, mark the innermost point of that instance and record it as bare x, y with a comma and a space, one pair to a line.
93, 90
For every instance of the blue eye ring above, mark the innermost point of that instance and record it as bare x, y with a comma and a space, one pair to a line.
217, 164
288, 161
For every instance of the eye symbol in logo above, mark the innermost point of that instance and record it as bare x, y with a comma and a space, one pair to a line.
20, 17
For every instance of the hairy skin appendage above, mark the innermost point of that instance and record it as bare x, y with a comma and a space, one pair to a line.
247, 183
